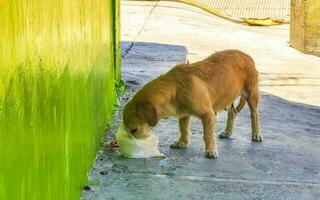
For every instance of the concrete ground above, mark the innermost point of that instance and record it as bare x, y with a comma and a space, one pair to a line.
286, 165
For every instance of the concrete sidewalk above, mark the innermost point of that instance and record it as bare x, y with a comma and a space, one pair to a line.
156, 36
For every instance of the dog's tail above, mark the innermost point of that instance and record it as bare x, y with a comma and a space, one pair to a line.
240, 106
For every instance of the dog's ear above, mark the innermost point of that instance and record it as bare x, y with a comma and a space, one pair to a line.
148, 112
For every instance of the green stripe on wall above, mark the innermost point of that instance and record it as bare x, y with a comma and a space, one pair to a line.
57, 93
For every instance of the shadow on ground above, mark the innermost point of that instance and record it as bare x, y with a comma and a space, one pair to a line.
284, 166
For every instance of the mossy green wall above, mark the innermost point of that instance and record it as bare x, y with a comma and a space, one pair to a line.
58, 68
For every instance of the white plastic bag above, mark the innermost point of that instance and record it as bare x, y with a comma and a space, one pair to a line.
132, 147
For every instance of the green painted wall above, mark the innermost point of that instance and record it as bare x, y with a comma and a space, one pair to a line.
58, 68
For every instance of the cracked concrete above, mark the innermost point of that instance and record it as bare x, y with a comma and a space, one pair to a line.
284, 166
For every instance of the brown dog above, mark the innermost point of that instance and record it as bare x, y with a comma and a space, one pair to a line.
199, 89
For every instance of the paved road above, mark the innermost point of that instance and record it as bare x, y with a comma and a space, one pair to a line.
284, 166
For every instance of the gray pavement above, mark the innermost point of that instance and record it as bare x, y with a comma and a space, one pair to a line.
286, 165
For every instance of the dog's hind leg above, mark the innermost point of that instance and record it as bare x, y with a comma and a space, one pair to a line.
241, 104
253, 100
209, 136
232, 114
230, 123
183, 141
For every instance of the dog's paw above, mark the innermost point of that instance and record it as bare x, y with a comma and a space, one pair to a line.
224, 134
179, 145
211, 154
257, 138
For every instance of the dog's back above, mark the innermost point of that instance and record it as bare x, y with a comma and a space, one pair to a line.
222, 77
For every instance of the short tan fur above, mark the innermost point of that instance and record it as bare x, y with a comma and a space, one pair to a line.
199, 89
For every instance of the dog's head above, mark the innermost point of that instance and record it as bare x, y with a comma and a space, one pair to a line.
139, 118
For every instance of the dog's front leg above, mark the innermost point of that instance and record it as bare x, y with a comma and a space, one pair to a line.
209, 136
183, 141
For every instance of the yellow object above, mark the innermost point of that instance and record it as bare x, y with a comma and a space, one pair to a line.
262, 22
304, 26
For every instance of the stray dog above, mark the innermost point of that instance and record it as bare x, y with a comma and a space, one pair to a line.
199, 89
